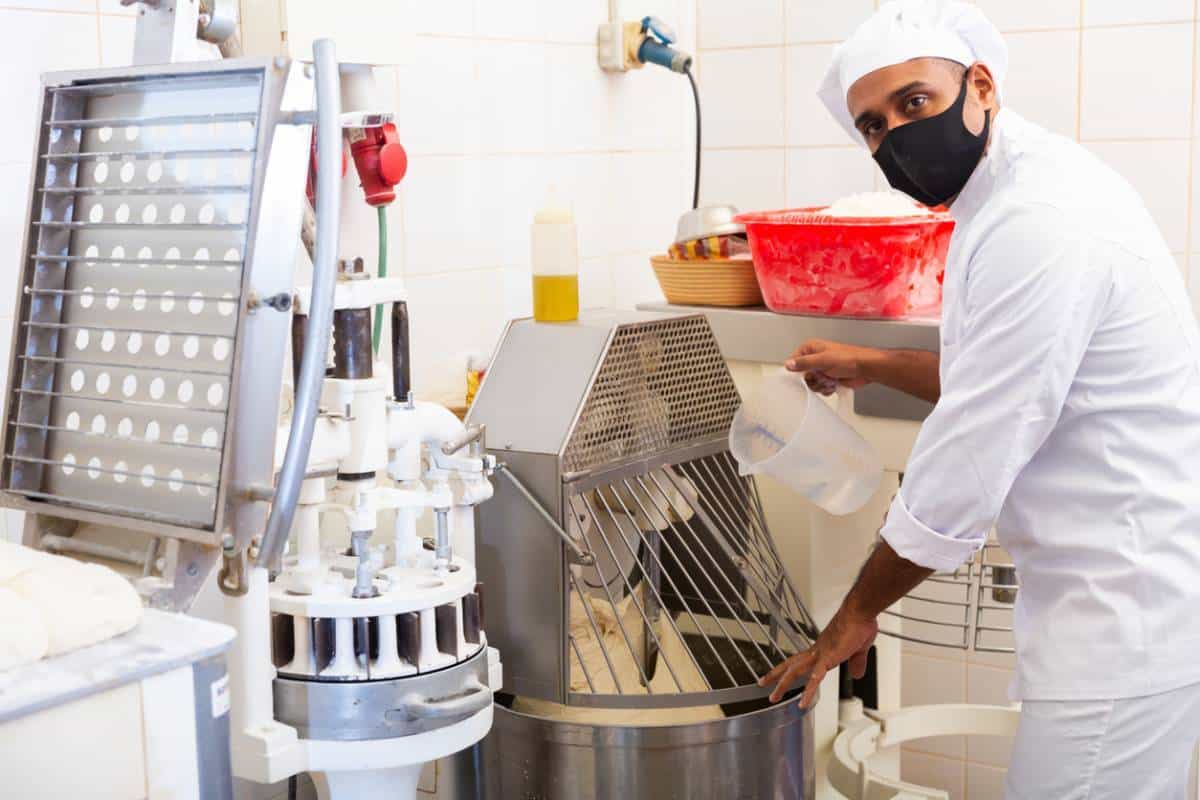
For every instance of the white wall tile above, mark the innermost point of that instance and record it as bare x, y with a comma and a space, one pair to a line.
1194, 226
14, 524
1043, 79
1159, 171
518, 292
1014, 15
652, 109
820, 175
596, 288
721, 23
808, 121
116, 40
585, 184
634, 281
742, 92
509, 19
514, 189
651, 190
1117, 101
575, 21
822, 21
443, 215
455, 17
1123, 12
512, 97
37, 43
984, 783
437, 110
926, 681
988, 686
752, 180
81, 6
935, 772
579, 96
452, 316
1194, 282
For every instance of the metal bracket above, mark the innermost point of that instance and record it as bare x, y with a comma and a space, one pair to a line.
232, 578
575, 553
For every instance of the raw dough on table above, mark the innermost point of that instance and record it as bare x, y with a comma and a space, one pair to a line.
51, 605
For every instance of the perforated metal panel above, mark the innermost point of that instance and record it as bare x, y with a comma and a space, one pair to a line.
662, 384
131, 291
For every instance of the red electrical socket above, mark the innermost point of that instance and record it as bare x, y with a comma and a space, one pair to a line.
380, 160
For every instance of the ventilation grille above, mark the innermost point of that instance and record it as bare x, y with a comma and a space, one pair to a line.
662, 385
131, 295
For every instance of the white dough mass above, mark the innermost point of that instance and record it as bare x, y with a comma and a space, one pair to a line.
51, 605
876, 204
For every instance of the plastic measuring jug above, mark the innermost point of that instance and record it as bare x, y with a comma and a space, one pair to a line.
785, 431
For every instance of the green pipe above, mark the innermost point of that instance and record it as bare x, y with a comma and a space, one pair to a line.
382, 210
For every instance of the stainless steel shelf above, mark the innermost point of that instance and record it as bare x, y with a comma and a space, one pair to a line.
757, 334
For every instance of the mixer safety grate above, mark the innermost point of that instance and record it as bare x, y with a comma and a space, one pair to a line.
688, 602
131, 293
662, 384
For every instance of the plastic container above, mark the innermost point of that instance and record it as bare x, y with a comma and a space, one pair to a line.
812, 263
787, 432
555, 263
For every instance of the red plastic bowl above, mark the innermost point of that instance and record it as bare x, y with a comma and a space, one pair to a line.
810, 263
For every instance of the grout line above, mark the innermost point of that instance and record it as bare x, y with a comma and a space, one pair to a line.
1193, 148
1153, 24
787, 107
965, 761
1079, 78
68, 12
1137, 139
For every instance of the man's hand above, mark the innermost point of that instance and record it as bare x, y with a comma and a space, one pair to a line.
848, 637
828, 365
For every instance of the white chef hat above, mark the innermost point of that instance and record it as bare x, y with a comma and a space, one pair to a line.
902, 30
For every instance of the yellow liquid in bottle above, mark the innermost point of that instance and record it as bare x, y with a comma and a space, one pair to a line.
556, 298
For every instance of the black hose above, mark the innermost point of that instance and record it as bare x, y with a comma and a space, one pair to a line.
293, 784
696, 94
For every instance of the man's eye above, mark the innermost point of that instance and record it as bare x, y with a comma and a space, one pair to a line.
916, 102
872, 128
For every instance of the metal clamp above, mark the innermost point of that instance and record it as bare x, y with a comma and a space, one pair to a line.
475, 698
577, 555
231, 579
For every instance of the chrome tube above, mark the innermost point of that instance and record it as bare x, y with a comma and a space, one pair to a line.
320, 317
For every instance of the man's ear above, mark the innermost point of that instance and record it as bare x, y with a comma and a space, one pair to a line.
983, 85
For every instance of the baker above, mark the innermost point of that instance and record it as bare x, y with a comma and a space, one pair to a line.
1067, 413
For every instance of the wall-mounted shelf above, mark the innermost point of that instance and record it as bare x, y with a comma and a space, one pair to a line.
757, 334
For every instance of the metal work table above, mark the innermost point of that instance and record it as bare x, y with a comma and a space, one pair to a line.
756, 334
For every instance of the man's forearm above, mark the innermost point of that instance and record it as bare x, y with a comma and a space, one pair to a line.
913, 372
885, 578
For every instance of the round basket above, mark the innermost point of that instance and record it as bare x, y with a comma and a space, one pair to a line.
715, 282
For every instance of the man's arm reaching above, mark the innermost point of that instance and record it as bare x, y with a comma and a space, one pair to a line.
885, 578
832, 364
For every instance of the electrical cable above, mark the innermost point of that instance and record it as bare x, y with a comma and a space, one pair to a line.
293, 785
696, 94
383, 244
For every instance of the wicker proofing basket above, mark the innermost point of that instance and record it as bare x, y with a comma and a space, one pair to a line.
715, 282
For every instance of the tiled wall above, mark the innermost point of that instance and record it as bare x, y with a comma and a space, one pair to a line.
1117, 75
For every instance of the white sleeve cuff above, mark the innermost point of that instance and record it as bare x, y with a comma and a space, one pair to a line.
915, 542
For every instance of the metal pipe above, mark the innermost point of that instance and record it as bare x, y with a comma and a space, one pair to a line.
442, 552
470, 436
320, 319
581, 556
66, 544
352, 343
401, 358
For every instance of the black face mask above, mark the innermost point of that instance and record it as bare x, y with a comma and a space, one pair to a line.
932, 159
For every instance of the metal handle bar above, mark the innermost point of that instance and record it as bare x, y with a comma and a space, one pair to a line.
320, 316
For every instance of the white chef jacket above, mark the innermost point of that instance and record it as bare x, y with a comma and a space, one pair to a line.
1070, 419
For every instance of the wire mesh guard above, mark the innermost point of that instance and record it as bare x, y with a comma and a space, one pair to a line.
968, 609
688, 600
663, 384
131, 293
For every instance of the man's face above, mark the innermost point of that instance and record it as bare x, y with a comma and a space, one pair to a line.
888, 98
